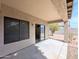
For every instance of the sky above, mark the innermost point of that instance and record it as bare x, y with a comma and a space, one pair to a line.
74, 18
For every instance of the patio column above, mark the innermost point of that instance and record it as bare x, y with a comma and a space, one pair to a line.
66, 33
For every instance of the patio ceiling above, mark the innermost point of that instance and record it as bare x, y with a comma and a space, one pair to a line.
48, 10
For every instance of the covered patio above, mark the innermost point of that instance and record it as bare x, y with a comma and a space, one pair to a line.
35, 12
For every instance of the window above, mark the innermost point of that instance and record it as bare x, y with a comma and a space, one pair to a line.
15, 30
24, 30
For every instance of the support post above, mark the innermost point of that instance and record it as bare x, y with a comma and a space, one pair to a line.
66, 33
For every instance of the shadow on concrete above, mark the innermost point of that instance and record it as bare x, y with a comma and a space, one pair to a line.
31, 52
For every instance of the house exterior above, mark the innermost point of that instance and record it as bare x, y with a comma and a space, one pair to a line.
35, 12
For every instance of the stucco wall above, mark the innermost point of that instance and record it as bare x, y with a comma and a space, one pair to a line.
12, 47
0, 7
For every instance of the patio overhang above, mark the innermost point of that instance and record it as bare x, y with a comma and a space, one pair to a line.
47, 10
56, 21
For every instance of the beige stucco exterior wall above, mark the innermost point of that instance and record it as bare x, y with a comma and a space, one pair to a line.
0, 7
12, 47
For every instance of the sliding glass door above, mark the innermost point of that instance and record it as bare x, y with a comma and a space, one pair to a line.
42, 35
39, 32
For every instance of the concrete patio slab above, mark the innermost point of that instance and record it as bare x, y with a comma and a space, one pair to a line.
48, 49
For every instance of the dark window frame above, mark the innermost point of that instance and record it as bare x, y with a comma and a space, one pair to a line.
18, 20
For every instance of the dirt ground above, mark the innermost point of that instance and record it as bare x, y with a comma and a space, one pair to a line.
57, 37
